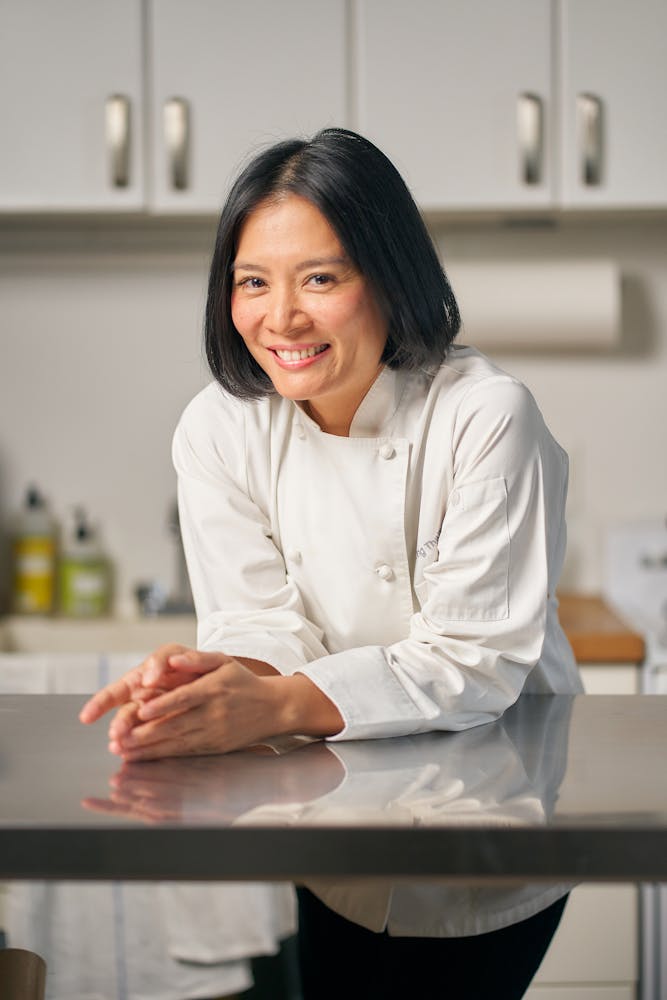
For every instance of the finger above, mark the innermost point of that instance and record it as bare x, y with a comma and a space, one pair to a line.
171, 727
197, 661
122, 690
156, 671
181, 699
111, 696
176, 736
123, 722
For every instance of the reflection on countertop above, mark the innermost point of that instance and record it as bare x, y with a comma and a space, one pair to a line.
562, 786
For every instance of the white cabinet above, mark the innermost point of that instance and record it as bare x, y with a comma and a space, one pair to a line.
524, 104
153, 105
613, 99
595, 952
70, 79
199, 84
234, 77
458, 94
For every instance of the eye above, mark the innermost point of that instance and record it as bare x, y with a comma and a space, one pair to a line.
250, 282
320, 280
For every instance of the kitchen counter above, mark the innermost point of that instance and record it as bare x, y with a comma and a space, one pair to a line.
548, 792
596, 632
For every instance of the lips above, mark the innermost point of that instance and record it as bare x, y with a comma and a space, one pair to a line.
288, 354
298, 357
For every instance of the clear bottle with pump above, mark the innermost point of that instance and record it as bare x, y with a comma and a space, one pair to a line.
84, 572
33, 550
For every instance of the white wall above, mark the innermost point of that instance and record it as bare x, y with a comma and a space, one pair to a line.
100, 334
609, 411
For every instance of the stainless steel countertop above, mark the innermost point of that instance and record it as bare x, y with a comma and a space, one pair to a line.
560, 788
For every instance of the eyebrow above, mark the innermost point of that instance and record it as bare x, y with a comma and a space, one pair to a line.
241, 265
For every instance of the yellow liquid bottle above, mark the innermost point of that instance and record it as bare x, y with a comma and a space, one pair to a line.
34, 557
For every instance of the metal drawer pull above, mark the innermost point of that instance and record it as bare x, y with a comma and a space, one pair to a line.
531, 138
117, 120
589, 115
176, 120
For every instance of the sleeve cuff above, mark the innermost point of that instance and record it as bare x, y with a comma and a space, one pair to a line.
364, 689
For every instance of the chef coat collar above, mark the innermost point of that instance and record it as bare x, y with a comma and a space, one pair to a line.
378, 406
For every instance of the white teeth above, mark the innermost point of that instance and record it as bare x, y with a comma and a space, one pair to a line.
301, 355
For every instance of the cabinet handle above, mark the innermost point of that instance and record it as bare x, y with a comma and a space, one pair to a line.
176, 120
589, 115
117, 120
531, 137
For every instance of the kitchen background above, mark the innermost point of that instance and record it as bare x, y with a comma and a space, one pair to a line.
102, 287
532, 134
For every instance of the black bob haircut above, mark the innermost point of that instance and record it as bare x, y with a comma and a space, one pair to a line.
368, 205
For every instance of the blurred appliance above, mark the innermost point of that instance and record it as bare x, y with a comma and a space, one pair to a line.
635, 585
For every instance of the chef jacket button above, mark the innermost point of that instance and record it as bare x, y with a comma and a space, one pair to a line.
387, 450
300, 431
455, 499
293, 555
384, 572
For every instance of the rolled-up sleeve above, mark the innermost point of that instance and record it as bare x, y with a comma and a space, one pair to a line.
483, 601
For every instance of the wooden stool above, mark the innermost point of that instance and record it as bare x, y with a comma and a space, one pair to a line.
22, 975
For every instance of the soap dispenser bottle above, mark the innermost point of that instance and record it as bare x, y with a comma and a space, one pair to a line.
84, 576
33, 548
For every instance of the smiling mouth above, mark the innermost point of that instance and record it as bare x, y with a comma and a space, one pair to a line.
291, 355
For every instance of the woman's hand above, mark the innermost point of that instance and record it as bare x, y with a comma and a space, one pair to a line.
155, 675
182, 702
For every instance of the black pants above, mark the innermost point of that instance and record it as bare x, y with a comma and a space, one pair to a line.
339, 959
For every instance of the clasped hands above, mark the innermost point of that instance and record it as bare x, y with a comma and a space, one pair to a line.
183, 702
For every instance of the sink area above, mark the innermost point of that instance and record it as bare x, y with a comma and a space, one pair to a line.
108, 635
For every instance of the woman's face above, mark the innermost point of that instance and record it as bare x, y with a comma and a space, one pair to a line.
306, 315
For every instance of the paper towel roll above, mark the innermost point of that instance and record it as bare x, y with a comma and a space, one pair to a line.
538, 305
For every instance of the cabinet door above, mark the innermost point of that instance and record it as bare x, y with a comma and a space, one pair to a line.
457, 93
614, 82
70, 81
228, 78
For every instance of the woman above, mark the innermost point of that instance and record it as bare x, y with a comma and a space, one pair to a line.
373, 520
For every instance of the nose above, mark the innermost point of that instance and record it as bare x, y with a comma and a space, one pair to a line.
284, 315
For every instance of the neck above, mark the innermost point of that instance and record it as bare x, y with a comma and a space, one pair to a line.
336, 416
336, 425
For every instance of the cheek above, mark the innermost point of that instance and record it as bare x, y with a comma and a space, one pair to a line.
242, 314
344, 313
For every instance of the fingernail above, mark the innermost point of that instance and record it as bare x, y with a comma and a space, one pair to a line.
179, 658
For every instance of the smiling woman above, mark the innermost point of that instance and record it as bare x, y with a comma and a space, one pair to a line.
373, 520
306, 314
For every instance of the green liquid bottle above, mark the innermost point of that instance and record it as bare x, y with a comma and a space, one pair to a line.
84, 573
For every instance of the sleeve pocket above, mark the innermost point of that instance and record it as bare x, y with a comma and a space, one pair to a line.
469, 580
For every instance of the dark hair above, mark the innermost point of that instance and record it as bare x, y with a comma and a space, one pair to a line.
367, 203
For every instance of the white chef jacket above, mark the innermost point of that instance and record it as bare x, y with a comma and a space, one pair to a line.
409, 570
